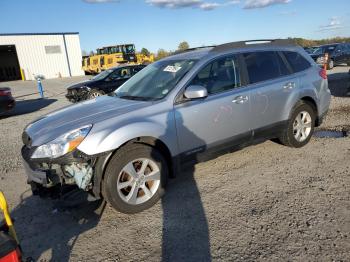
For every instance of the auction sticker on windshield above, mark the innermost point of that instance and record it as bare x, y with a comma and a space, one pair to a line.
172, 69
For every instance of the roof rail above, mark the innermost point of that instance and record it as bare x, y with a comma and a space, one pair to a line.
261, 42
192, 49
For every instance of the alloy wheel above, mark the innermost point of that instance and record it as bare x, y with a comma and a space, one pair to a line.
138, 181
302, 126
95, 94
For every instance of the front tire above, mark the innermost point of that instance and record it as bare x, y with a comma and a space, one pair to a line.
94, 93
300, 126
135, 178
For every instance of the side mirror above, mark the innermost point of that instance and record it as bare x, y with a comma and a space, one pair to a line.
196, 92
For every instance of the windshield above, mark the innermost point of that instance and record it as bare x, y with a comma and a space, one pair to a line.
102, 75
156, 80
324, 49
129, 49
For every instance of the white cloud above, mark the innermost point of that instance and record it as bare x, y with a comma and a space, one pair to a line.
209, 6
251, 4
288, 13
176, 4
334, 24
100, 1
202, 4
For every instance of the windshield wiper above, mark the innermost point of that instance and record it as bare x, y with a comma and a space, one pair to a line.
139, 98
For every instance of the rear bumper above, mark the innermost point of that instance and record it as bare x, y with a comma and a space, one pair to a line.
7, 103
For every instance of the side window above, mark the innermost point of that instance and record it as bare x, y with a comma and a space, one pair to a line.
296, 61
347, 48
221, 75
262, 66
137, 69
125, 72
115, 74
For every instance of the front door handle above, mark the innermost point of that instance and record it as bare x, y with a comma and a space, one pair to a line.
240, 99
289, 85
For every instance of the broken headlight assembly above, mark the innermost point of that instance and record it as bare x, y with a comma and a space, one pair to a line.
63, 144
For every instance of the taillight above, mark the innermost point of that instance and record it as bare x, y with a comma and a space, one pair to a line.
5, 92
323, 73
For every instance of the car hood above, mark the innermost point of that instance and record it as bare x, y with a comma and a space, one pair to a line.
51, 126
83, 83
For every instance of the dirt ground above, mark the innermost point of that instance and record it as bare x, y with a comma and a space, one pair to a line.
264, 202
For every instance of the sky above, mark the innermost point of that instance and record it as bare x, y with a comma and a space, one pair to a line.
155, 24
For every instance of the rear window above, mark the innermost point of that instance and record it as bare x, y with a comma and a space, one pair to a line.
296, 61
262, 66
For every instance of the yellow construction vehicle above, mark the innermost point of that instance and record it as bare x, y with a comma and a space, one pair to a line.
96, 62
111, 56
116, 55
144, 59
86, 64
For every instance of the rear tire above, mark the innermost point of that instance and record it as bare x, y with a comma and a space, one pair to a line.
135, 178
300, 126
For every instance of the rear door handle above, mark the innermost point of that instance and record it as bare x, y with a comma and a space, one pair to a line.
240, 99
289, 85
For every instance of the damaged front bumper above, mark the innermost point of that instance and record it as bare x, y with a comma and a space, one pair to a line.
76, 95
74, 168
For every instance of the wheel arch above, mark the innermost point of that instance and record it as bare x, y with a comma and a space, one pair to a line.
307, 96
103, 161
310, 101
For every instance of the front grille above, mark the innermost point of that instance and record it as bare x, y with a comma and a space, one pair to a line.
26, 139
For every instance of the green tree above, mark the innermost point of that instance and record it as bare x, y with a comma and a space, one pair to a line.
161, 54
145, 52
183, 46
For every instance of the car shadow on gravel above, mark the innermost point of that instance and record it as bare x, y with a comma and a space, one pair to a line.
185, 227
339, 84
60, 235
28, 106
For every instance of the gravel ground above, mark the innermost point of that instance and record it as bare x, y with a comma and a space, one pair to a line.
265, 202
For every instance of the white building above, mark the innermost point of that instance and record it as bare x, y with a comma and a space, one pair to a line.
52, 55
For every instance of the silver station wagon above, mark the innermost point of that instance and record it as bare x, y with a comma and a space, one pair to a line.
125, 146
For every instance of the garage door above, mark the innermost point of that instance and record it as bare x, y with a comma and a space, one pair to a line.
9, 66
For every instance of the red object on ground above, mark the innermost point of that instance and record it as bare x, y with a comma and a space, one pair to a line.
323, 73
14, 256
9, 249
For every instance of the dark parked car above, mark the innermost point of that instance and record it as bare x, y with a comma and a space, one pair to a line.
7, 102
103, 83
338, 54
310, 49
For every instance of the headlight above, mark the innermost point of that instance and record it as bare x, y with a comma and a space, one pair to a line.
85, 87
63, 144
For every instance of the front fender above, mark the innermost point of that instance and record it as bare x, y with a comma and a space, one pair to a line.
108, 139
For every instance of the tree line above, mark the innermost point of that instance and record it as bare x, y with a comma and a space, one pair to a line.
309, 43
161, 53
